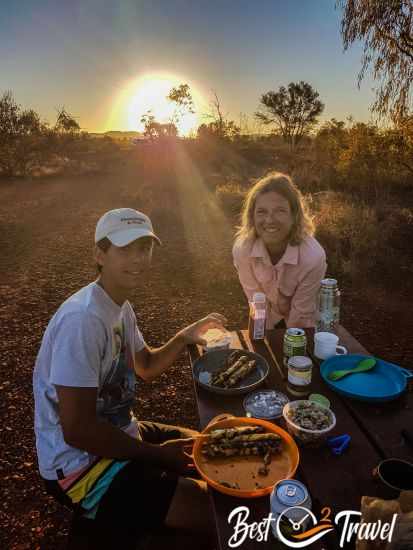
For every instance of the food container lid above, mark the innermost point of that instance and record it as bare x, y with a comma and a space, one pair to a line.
300, 362
216, 339
295, 332
259, 297
265, 404
329, 283
320, 399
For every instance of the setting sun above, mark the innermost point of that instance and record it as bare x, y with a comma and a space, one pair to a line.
149, 93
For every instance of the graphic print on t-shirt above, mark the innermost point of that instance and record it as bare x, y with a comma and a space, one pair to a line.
118, 392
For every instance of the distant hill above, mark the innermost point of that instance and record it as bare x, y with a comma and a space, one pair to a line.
117, 134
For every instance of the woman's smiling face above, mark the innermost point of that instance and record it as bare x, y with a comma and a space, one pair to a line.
273, 219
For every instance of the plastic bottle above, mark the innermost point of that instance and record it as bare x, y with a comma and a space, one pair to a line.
258, 316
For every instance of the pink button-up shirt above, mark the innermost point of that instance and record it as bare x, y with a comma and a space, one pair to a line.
290, 286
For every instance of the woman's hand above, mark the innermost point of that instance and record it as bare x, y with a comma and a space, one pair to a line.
192, 333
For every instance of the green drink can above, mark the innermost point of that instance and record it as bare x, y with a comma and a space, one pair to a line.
295, 343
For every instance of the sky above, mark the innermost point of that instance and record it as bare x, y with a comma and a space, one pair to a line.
90, 55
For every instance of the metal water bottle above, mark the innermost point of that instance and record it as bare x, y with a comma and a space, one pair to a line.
328, 306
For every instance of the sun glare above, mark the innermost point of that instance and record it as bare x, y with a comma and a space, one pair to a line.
149, 93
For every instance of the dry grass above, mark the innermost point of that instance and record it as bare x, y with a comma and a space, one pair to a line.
231, 196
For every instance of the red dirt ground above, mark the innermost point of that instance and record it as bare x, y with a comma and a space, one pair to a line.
46, 239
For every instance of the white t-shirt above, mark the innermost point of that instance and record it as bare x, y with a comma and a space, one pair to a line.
89, 342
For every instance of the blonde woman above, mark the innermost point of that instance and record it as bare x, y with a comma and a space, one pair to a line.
275, 252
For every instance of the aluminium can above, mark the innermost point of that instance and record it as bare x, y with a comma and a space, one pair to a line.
295, 343
287, 494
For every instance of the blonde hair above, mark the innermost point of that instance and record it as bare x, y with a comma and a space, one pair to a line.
282, 184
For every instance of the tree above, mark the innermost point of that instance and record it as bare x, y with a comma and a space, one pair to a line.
155, 130
220, 127
9, 116
30, 123
182, 98
398, 142
20, 132
14, 121
386, 26
226, 130
66, 123
216, 115
329, 142
148, 120
294, 111
165, 130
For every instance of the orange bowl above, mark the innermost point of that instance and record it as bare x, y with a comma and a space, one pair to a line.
244, 470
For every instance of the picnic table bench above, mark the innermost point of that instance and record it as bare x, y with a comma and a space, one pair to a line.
338, 482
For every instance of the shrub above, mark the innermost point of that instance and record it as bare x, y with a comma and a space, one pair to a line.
364, 242
231, 196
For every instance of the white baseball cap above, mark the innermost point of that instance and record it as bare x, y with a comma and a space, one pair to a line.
124, 225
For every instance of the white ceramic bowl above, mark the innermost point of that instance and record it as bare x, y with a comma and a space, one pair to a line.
306, 436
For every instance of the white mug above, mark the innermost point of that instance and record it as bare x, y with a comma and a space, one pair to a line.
325, 345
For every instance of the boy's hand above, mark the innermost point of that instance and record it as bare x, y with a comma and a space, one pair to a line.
191, 334
174, 456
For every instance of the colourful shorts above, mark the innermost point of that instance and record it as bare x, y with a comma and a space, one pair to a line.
123, 497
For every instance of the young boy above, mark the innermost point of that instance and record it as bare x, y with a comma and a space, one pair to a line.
125, 476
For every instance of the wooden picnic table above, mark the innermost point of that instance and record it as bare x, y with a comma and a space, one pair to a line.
338, 482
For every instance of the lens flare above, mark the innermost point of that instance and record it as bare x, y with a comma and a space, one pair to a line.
149, 93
